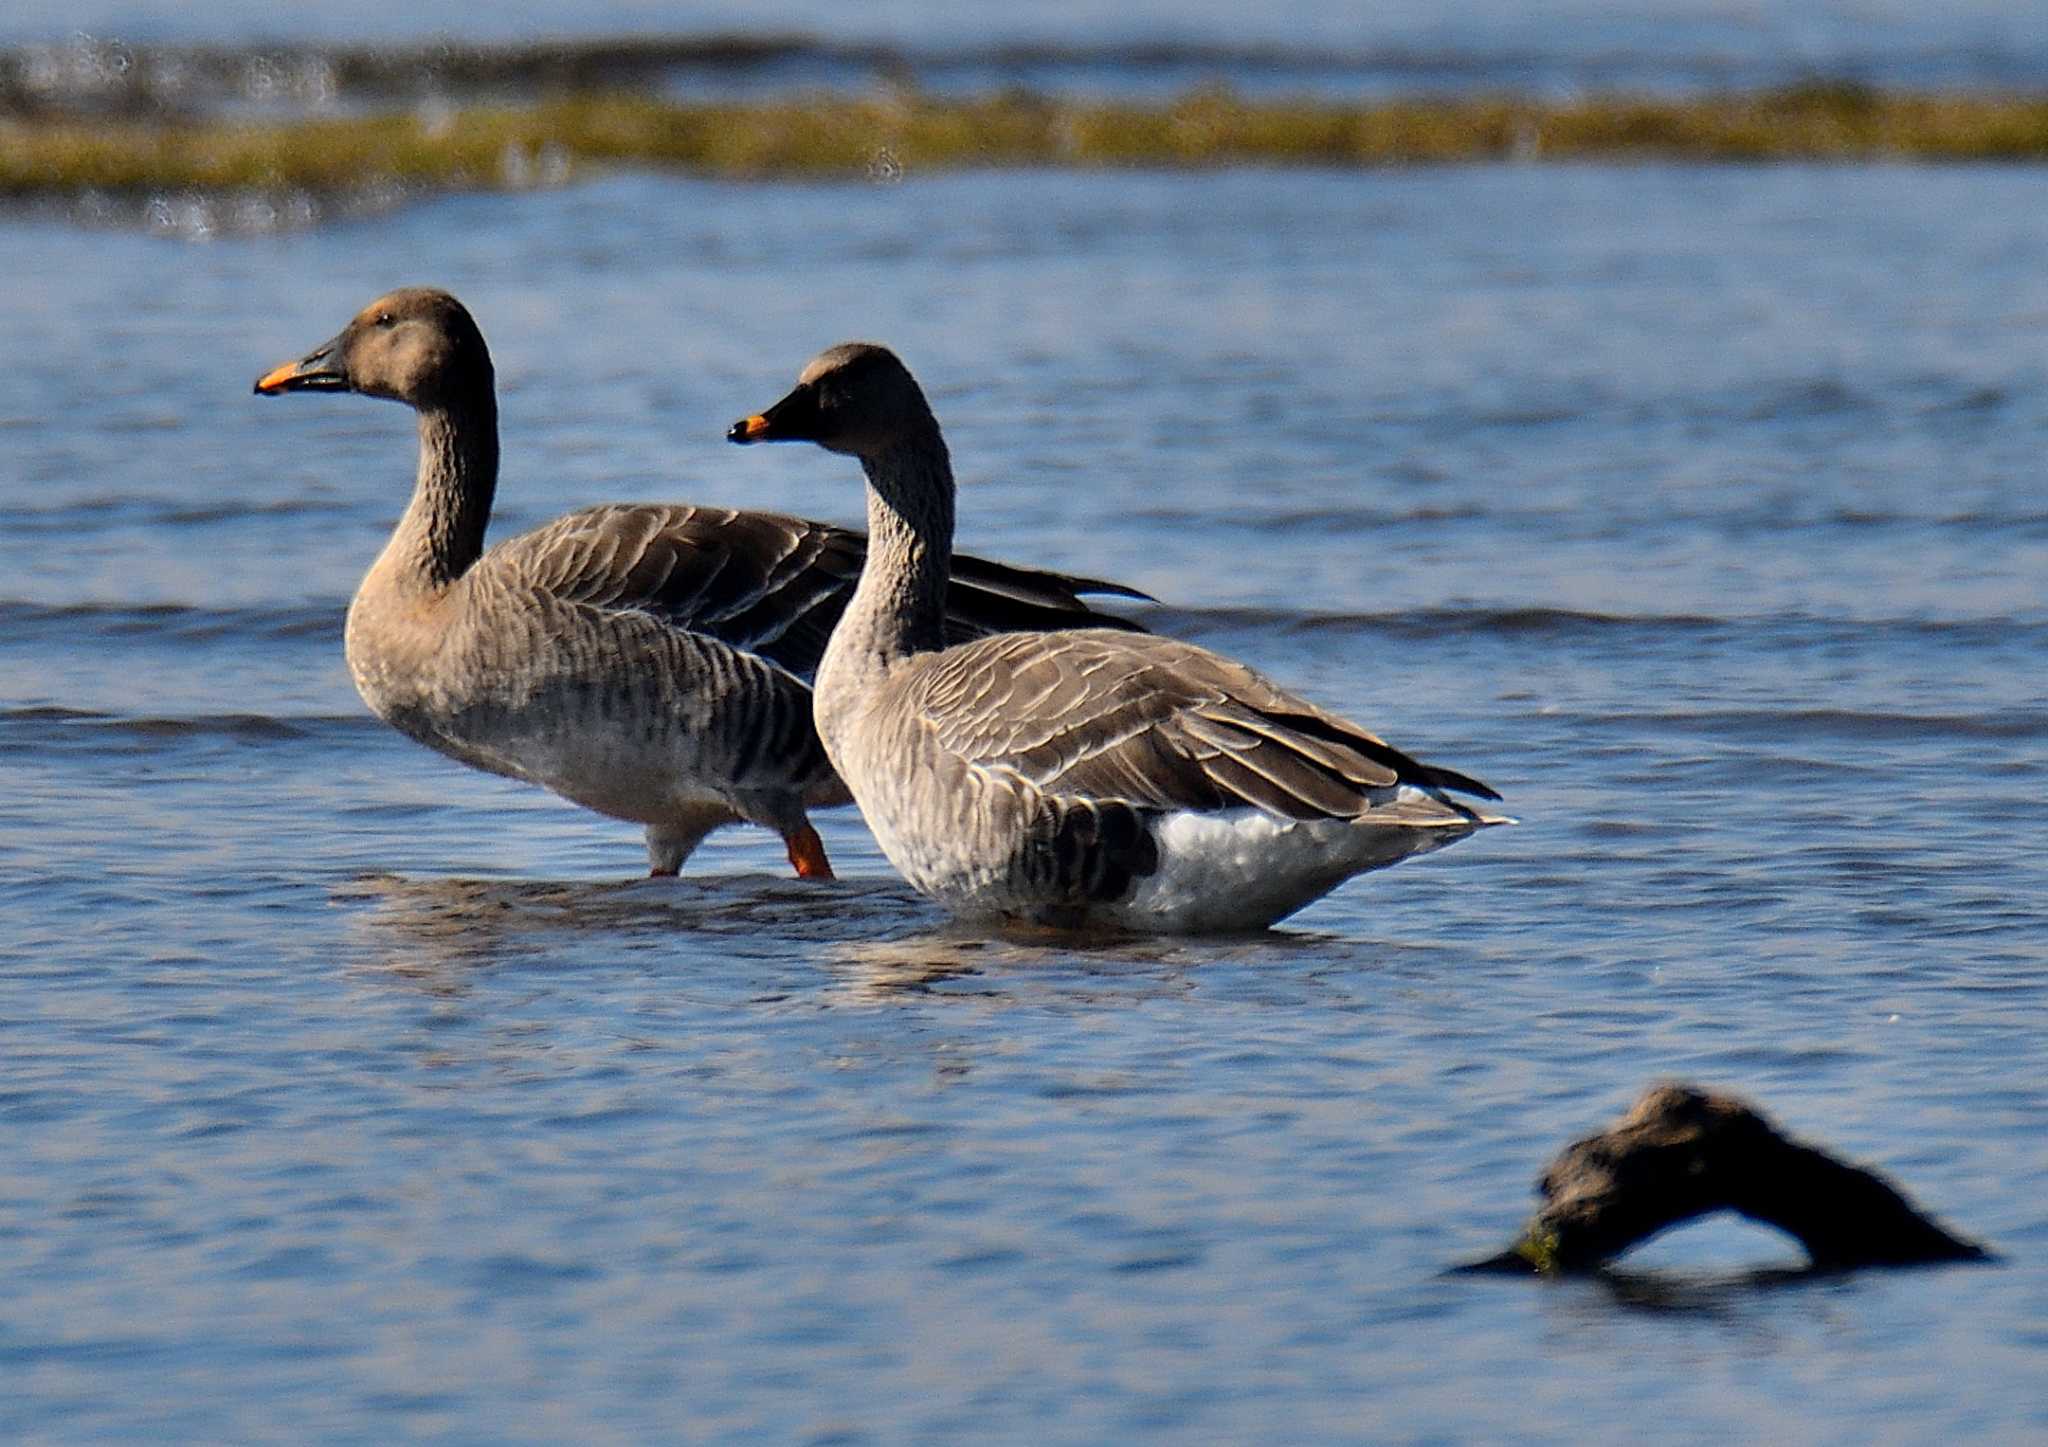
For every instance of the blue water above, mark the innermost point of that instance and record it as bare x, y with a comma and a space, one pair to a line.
350, 1095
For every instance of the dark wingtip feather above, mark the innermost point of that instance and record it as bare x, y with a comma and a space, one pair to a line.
1035, 585
1456, 782
974, 611
1113, 590
1406, 768
993, 597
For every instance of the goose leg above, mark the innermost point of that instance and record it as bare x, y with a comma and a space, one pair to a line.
670, 842
807, 852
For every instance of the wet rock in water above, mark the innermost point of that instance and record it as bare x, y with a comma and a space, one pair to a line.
1683, 1152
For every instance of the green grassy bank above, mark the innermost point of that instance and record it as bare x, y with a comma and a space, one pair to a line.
486, 148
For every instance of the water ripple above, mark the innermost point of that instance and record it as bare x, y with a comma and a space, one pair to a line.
181, 621
1570, 624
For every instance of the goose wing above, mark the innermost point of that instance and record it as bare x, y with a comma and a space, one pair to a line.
764, 582
1158, 723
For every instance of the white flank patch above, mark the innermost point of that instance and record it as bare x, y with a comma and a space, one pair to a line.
1240, 869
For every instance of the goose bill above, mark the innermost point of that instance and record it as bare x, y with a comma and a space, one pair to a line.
317, 371
793, 419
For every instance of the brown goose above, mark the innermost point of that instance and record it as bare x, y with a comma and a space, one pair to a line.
645, 661
1085, 777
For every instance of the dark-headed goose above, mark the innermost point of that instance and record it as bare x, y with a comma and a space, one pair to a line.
1084, 777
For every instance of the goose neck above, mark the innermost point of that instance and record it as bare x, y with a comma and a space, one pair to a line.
899, 607
442, 532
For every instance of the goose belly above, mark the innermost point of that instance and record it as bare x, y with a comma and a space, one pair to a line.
958, 866
625, 771
636, 750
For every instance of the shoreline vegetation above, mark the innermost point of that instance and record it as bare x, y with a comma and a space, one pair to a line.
437, 145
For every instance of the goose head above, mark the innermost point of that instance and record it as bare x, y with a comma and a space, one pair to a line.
855, 398
418, 345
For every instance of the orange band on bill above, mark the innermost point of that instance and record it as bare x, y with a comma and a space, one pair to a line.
274, 379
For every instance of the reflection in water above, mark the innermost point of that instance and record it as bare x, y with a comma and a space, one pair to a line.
963, 960
877, 971
1712, 1296
436, 930
573, 971
873, 940
1740, 1307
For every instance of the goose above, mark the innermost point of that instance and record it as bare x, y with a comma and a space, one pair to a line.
1084, 779
646, 661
